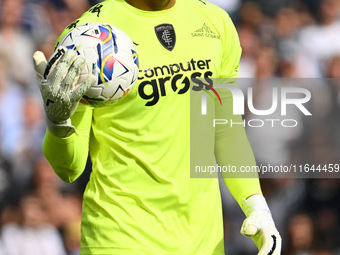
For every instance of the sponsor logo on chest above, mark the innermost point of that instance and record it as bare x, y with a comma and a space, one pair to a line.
205, 31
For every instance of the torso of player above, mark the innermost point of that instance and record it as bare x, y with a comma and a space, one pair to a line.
173, 50
140, 146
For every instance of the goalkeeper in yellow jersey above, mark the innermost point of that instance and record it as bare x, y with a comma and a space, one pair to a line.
140, 198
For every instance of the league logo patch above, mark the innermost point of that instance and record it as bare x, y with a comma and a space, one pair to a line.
166, 36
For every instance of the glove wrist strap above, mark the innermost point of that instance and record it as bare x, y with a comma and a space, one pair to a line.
255, 202
62, 129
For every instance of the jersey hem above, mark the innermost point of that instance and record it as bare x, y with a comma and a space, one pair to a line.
121, 251
129, 251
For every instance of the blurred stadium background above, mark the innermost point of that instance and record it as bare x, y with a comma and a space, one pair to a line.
39, 214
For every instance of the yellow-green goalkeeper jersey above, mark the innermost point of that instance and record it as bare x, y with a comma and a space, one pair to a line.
140, 198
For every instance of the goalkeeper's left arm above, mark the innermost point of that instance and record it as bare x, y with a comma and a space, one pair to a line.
232, 148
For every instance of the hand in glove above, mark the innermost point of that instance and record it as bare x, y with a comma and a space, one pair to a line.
260, 226
61, 87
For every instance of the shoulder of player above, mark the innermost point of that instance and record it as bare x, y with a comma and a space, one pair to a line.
100, 12
103, 8
207, 7
218, 17
216, 14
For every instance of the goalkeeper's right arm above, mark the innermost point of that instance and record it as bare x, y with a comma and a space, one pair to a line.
64, 146
68, 156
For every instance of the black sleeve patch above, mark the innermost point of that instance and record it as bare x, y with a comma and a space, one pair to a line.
96, 9
73, 24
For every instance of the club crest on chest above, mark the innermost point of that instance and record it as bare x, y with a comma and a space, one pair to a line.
166, 35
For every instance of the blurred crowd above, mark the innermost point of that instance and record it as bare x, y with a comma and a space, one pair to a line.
281, 40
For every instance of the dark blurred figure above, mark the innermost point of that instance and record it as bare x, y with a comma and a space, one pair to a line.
319, 43
322, 200
333, 75
15, 44
77, 7
61, 202
250, 44
11, 126
32, 234
300, 235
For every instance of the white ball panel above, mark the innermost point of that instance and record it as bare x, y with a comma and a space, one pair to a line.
117, 69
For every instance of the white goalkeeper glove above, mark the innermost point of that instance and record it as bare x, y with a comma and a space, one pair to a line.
259, 225
61, 88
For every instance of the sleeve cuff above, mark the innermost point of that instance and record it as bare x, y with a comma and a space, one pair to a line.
255, 202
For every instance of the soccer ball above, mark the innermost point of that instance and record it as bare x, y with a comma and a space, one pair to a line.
110, 55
